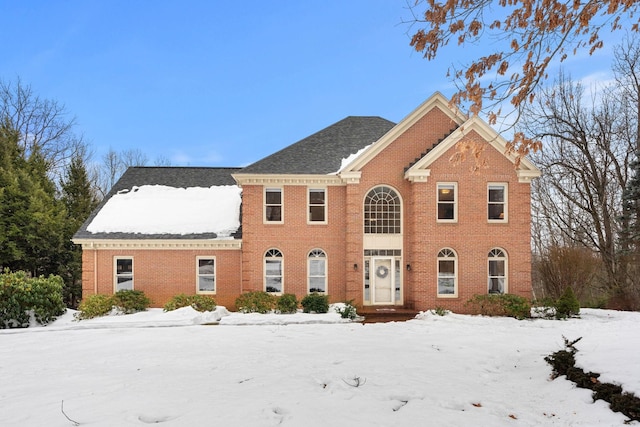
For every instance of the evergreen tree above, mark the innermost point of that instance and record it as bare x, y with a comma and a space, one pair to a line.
79, 199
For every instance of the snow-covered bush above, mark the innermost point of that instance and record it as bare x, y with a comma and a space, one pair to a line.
346, 310
197, 302
287, 304
256, 302
315, 302
508, 305
94, 306
21, 295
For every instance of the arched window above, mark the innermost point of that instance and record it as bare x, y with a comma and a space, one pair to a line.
317, 270
382, 211
497, 271
273, 271
447, 273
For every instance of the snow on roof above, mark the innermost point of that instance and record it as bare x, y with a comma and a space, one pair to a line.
346, 161
159, 209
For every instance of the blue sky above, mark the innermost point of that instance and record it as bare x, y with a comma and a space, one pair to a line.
223, 83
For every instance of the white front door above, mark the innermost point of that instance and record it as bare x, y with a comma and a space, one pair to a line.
382, 281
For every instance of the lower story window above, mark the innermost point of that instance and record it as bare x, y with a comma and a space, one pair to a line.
497, 271
124, 273
206, 272
447, 273
273, 271
317, 271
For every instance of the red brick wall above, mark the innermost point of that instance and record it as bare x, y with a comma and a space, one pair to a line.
294, 238
162, 274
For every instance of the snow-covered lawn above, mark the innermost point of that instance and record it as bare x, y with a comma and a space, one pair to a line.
310, 370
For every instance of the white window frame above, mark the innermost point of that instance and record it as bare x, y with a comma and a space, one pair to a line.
454, 187
309, 205
269, 255
383, 222
314, 256
505, 202
493, 256
214, 274
116, 275
447, 254
266, 206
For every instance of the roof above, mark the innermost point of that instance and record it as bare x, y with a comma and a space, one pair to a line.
175, 177
322, 153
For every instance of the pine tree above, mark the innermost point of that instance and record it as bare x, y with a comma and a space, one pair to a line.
80, 199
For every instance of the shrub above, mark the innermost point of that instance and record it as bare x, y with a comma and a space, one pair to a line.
500, 305
567, 305
348, 311
440, 311
197, 302
131, 301
287, 303
315, 302
21, 294
255, 302
94, 306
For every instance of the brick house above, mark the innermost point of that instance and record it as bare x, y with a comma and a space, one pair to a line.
364, 210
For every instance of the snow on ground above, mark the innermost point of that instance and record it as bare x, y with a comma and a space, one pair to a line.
177, 369
158, 209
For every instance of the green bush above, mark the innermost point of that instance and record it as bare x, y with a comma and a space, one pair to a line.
287, 304
21, 294
131, 301
197, 302
255, 302
315, 302
440, 311
567, 305
94, 306
348, 311
500, 305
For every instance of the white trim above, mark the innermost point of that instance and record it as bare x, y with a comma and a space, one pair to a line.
264, 204
505, 186
326, 210
455, 202
115, 271
285, 179
264, 270
505, 259
159, 244
455, 274
326, 265
215, 274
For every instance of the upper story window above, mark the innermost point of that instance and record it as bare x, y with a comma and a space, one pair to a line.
273, 276
497, 202
317, 271
123, 273
273, 205
497, 271
317, 198
447, 202
382, 211
447, 273
206, 275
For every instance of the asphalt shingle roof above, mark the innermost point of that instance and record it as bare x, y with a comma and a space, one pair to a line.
322, 152
178, 177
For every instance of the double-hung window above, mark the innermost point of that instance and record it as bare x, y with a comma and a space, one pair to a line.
447, 206
447, 273
497, 271
206, 273
273, 205
317, 271
123, 279
317, 198
273, 275
497, 202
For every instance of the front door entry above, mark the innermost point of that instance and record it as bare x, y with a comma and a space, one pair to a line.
382, 281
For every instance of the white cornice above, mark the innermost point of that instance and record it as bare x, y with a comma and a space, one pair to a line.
301, 179
159, 244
